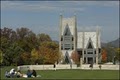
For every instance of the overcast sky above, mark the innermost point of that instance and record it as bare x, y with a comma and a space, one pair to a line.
43, 16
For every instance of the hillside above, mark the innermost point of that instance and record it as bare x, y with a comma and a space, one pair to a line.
114, 43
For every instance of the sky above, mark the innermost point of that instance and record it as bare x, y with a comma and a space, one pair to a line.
43, 16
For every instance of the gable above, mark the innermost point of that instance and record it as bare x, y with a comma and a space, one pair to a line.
87, 36
71, 25
90, 45
67, 30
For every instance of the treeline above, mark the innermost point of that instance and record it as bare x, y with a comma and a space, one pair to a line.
24, 47
110, 54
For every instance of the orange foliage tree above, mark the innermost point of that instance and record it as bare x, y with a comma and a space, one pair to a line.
75, 57
49, 52
104, 55
35, 56
25, 57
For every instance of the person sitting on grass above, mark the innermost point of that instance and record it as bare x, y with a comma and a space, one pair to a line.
29, 74
19, 74
34, 74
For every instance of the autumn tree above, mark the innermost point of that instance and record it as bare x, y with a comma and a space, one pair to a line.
104, 55
49, 52
110, 52
61, 57
22, 46
35, 56
75, 57
25, 58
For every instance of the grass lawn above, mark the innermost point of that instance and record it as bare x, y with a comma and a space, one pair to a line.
69, 74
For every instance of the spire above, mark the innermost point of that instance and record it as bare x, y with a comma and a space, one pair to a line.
74, 13
60, 13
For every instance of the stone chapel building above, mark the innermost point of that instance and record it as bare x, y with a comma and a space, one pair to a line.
86, 43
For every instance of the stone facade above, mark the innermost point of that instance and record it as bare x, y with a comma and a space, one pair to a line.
87, 44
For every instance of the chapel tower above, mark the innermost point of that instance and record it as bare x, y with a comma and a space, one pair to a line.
67, 37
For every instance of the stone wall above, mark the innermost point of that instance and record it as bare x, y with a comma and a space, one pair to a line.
66, 66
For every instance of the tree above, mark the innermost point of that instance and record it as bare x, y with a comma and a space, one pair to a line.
117, 51
12, 54
7, 37
17, 52
75, 57
22, 32
1, 57
104, 55
26, 58
43, 37
31, 41
110, 53
5, 43
22, 46
26, 39
35, 56
49, 52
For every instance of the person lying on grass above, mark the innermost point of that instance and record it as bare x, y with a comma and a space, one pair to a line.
7, 74
18, 74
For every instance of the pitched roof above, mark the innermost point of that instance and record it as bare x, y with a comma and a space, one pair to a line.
87, 36
70, 22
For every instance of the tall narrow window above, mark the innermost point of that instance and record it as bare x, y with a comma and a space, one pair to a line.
67, 31
90, 46
95, 51
61, 38
84, 52
99, 50
72, 38
61, 46
84, 59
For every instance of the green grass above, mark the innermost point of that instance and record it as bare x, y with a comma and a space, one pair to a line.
70, 74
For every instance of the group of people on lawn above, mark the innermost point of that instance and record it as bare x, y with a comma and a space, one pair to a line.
13, 74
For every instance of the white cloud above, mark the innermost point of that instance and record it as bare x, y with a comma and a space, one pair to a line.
38, 6
111, 4
23, 6
98, 3
69, 6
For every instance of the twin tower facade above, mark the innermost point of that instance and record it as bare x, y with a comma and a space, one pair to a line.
86, 43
